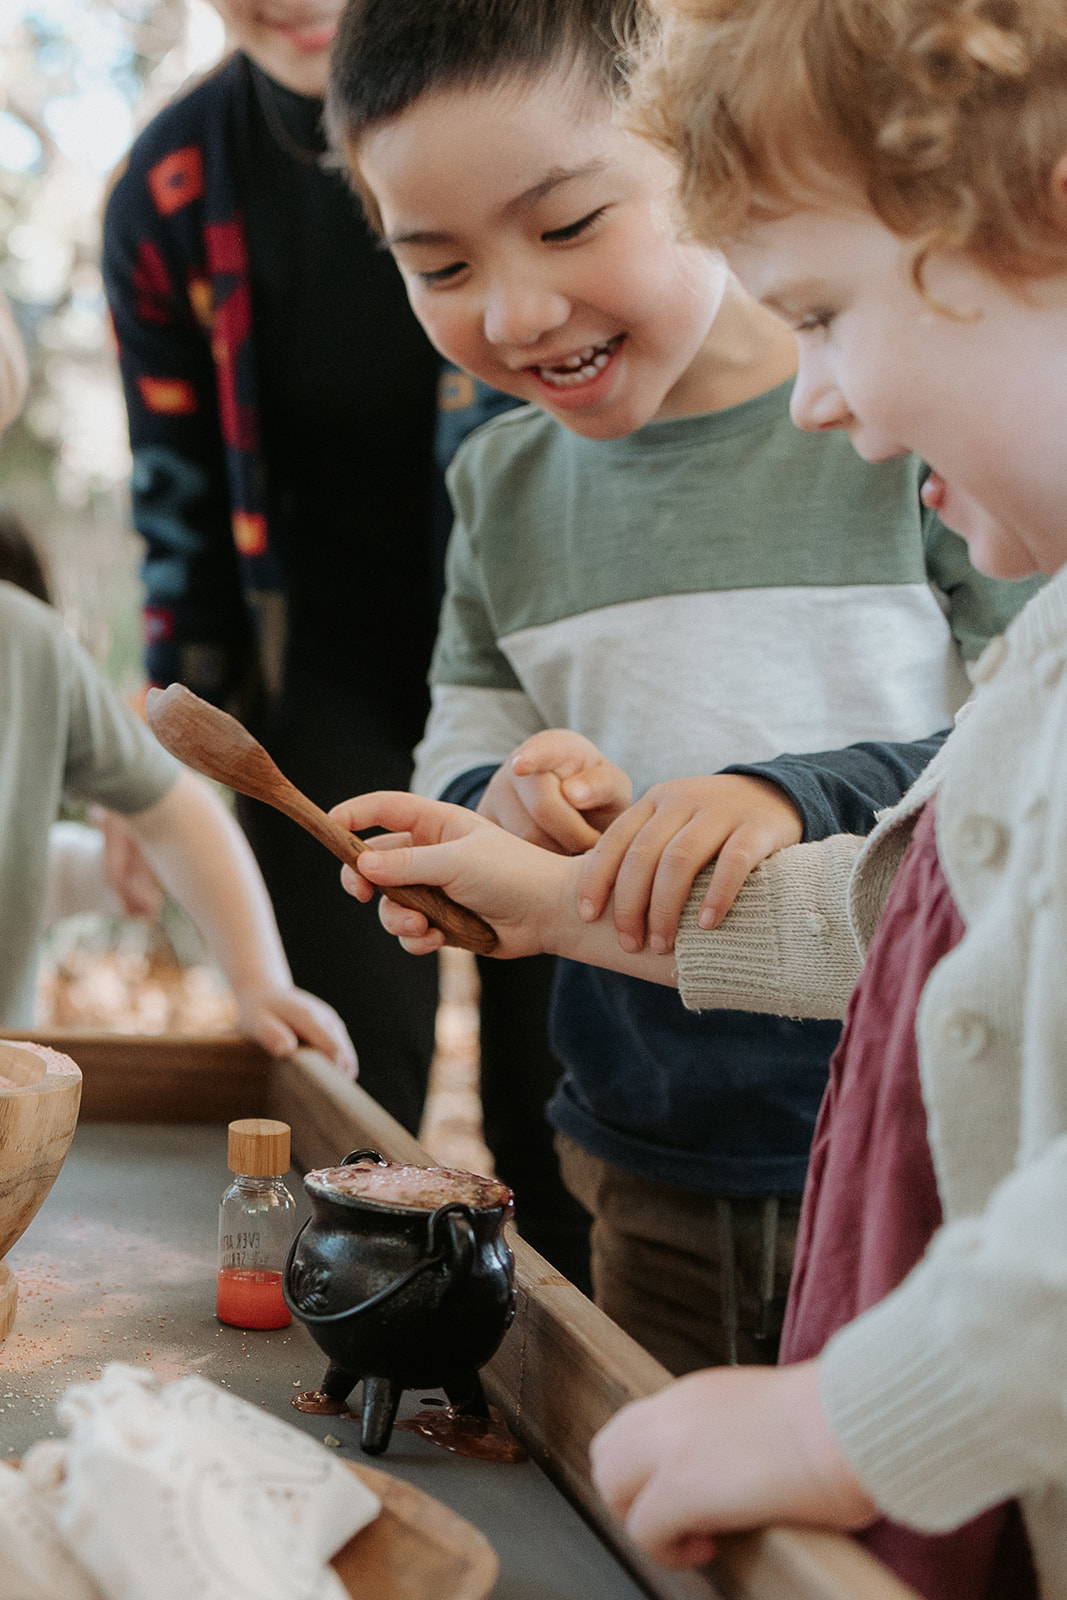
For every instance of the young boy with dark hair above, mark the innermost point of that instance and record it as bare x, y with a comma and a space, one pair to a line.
656, 574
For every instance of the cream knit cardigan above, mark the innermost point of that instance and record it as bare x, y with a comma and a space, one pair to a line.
951, 1394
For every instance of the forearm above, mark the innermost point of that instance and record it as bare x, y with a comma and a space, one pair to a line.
204, 861
786, 948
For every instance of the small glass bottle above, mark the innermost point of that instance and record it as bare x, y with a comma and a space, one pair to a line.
256, 1223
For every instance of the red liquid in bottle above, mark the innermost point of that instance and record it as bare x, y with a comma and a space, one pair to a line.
251, 1297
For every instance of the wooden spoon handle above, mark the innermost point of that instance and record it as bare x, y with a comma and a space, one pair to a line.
462, 927
216, 744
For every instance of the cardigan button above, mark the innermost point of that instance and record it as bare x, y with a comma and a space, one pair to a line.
991, 660
981, 840
965, 1034
817, 924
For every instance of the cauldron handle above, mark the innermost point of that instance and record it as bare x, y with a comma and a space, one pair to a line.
459, 1232
362, 1155
457, 1246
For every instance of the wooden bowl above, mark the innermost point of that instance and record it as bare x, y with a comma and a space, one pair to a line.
40, 1091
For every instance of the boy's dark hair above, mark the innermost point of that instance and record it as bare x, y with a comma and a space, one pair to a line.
21, 562
389, 53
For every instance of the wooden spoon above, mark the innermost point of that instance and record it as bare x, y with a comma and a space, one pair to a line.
214, 743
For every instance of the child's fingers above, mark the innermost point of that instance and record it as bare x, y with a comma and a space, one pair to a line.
741, 852
397, 811
557, 750
601, 866
508, 805
276, 1036
691, 1550
427, 945
597, 787
401, 921
620, 1457
655, 1521
404, 864
554, 820
682, 857
637, 875
355, 884
413, 930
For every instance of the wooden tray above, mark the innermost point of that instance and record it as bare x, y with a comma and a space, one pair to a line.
415, 1549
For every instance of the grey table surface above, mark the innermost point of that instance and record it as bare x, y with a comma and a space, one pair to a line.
119, 1265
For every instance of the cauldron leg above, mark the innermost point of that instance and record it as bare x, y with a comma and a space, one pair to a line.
466, 1395
381, 1396
338, 1382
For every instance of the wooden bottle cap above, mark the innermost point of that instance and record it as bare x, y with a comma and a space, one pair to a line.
258, 1147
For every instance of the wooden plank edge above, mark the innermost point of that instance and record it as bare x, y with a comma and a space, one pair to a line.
162, 1077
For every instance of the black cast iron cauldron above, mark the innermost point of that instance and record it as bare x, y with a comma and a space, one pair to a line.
402, 1296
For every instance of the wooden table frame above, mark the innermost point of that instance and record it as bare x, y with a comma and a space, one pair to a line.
564, 1367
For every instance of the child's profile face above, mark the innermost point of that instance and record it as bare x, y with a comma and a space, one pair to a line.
979, 395
540, 248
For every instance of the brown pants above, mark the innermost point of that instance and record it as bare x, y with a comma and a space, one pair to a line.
698, 1279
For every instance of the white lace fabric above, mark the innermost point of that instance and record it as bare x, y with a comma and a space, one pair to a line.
162, 1492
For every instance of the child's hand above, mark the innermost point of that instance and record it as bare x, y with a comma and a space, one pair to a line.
556, 790
522, 891
650, 855
281, 1017
721, 1451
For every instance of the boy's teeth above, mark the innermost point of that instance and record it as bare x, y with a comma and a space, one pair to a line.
579, 368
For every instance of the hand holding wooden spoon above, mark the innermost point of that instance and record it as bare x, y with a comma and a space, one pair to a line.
216, 744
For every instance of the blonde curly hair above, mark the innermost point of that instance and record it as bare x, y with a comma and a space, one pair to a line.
946, 116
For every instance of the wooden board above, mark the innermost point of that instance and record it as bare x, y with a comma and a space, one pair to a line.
564, 1367
9, 1299
415, 1549
134, 1078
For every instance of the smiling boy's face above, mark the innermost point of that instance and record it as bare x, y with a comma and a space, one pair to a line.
539, 244
980, 395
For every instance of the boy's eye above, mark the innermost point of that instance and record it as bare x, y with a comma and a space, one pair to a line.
441, 274
573, 229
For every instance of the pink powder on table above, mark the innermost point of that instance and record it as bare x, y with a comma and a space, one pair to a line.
73, 1315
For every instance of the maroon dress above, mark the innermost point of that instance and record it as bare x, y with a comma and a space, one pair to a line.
871, 1206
